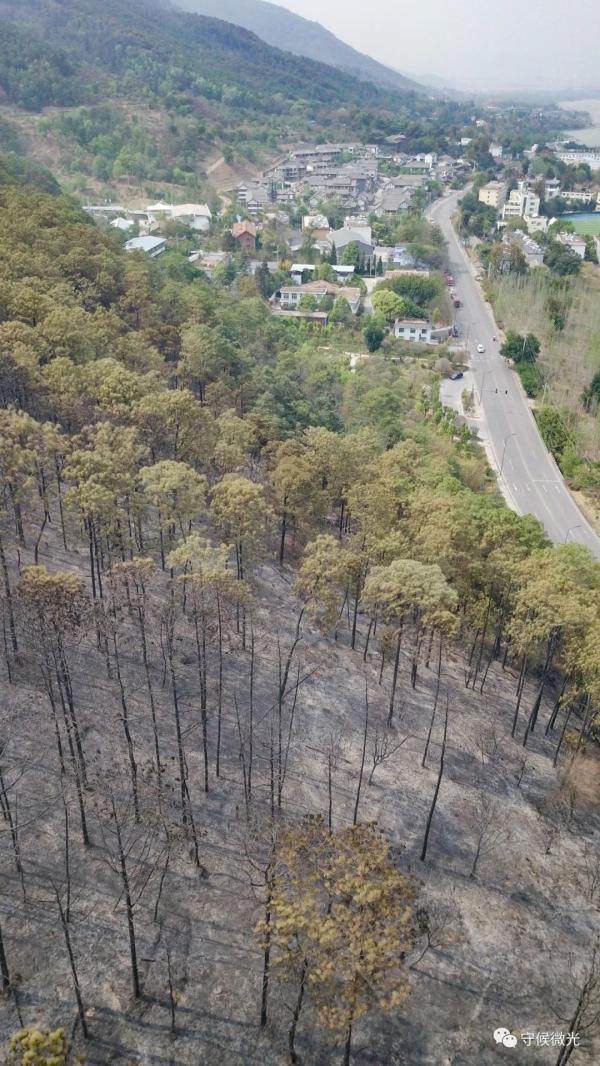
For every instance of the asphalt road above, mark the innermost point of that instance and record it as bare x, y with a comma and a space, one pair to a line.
528, 475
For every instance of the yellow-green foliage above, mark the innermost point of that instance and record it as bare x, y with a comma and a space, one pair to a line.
40, 1047
342, 909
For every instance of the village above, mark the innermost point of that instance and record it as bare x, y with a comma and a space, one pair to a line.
318, 229
536, 204
325, 224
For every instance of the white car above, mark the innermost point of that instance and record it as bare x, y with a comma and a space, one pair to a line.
480, 349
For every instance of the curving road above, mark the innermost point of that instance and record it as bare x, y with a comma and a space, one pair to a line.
528, 475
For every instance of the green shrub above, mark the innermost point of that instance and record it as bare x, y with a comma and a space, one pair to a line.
531, 379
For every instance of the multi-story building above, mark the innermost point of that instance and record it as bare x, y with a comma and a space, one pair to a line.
551, 188
574, 156
521, 203
493, 194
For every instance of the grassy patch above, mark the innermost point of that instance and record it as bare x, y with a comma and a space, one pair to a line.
588, 226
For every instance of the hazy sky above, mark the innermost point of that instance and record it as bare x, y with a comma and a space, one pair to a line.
546, 44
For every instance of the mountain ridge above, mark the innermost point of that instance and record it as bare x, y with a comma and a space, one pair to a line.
290, 32
140, 91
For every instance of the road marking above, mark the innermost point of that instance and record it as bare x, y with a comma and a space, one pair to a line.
511, 407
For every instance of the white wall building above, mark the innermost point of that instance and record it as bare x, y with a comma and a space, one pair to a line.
551, 188
539, 224
289, 296
574, 156
574, 242
522, 203
419, 330
152, 246
196, 216
534, 255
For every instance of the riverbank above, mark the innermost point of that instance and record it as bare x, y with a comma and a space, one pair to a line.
589, 135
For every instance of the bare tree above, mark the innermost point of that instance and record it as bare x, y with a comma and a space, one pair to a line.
382, 749
557, 810
334, 750
435, 700
585, 1019
438, 922
75, 976
591, 874
4, 970
437, 788
129, 855
363, 756
261, 854
486, 739
489, 828
171, 990
522, 766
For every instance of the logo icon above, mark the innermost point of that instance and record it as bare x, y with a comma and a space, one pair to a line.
505, 1037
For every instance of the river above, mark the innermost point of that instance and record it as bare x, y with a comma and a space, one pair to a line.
589, 136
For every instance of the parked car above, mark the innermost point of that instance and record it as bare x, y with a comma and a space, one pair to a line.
480, 349
457, 375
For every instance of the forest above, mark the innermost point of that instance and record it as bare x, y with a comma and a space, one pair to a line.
298, 748
151, 93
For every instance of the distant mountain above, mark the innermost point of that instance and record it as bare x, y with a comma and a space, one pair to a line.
60, 52
143, 91
292, 33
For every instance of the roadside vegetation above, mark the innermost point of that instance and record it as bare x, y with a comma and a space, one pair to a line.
563, 315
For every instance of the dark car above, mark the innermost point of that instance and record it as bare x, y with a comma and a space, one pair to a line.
457, 375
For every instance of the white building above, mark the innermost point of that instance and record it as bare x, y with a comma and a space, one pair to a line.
122, 224
534, 255
159, 208
419, 330
297, 270
574, 242
575, 156
522, 203
319, 224
539, 224
551, 188
289, 296
359, 224
152, 246
196, 216
496, 151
